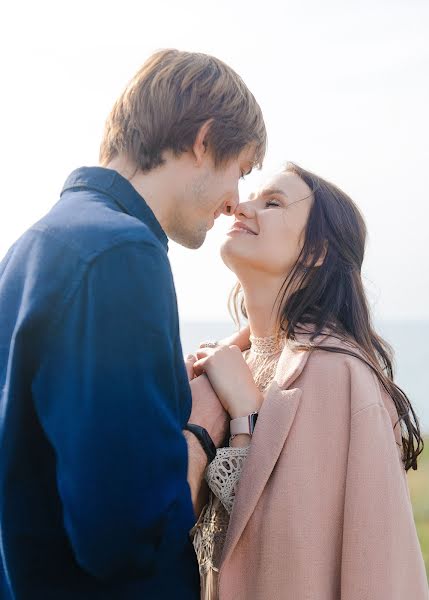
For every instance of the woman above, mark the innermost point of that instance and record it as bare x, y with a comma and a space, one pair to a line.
312, 504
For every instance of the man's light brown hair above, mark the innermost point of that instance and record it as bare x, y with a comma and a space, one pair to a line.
169, 99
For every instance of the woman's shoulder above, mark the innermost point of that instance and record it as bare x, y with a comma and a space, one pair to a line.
338, 365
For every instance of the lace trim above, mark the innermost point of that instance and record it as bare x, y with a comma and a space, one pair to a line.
268, 345
223, 474
209, 535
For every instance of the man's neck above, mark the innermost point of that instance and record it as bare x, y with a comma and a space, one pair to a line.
154, 187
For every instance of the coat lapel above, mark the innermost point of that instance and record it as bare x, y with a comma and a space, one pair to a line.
274, 422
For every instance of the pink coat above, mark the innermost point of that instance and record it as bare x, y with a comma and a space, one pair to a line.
322, 510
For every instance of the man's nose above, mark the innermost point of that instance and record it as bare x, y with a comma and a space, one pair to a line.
230, 205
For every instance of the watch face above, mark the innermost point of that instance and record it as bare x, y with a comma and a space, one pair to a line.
252, 421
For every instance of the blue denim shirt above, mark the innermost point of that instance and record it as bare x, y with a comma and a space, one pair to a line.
94, 500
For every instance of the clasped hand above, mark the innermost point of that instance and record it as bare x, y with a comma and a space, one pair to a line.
230, 378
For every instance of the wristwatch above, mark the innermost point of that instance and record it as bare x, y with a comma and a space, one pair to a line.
204, 438
243, 425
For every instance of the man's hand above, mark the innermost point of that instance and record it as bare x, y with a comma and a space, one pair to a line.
189, 364
207, 410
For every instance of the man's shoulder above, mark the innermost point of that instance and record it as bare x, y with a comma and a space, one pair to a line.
57, 252
88, 224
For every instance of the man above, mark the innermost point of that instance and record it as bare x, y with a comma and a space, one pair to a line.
96, 494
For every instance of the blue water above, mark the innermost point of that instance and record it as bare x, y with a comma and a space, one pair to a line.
408, 338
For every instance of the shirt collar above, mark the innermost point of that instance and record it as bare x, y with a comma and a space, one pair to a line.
111, 183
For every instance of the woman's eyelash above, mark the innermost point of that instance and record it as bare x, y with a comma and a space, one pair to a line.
272, 203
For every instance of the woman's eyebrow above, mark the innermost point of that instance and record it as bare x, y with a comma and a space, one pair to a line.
273, 192
268, 192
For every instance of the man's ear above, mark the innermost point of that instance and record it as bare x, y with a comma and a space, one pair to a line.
200, 146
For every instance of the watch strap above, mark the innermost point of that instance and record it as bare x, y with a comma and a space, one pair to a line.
243, 424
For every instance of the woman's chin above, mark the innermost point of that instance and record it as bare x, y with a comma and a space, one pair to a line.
227, 249
232, 255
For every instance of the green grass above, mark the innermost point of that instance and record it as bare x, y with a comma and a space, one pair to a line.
419, 489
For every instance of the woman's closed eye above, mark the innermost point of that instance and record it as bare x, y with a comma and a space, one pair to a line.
270, 203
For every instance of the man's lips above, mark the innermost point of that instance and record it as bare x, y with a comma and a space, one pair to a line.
241, 227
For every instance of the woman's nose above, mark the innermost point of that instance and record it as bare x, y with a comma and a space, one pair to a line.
245, 209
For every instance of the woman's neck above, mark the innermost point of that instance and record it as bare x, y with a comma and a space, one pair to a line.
261, 302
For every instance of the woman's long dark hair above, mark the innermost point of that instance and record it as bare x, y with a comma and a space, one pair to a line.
331, 296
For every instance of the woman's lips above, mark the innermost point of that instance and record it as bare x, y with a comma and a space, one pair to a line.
241, 228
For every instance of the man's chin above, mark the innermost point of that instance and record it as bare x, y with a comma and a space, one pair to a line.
189, 239
195, 244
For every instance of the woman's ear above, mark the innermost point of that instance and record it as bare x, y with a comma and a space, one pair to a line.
321, 258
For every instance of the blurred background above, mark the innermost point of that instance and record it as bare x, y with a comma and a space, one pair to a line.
344, 87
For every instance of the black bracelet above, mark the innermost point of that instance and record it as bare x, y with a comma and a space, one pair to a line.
204, 438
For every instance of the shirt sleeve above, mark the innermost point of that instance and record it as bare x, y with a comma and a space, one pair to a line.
112, 404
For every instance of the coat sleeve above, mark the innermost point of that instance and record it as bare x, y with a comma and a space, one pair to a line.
112, 404
381, 556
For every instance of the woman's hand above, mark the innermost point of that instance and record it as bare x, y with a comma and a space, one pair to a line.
238, 338
230, 378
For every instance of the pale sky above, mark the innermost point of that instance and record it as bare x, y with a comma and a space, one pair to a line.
344, 88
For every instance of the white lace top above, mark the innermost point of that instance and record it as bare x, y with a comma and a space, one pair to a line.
223, 475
